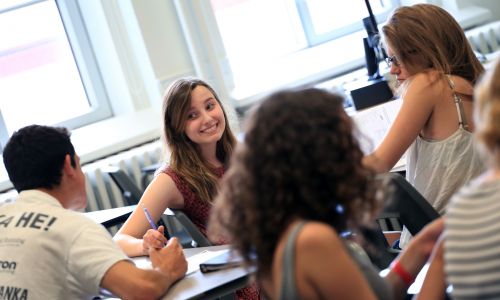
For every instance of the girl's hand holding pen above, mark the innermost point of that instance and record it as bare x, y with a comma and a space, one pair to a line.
154, 239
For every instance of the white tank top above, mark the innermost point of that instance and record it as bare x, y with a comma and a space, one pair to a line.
437, 169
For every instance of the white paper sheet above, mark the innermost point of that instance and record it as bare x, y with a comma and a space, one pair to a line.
193, 261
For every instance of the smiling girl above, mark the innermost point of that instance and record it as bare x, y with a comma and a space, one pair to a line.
196, 131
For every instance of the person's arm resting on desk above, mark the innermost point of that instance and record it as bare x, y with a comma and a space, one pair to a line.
125, 280
136, 237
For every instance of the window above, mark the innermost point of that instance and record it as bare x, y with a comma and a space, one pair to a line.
325, 20
48, 74
262, 37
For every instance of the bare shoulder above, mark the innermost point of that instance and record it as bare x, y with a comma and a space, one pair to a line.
163, 187
318, 235
432, 81
323, 259
162, 180
426, 87
427, 81
462, 85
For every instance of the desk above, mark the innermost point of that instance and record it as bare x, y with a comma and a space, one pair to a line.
198, 285
115, 216
112, 216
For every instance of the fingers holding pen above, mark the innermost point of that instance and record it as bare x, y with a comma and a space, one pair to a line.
154, 238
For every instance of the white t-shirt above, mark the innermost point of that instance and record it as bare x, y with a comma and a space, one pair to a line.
49, 252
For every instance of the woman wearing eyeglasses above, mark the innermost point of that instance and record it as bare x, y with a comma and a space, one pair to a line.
436, 70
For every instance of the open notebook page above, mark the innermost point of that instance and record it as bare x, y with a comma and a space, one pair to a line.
194, 261
374, 123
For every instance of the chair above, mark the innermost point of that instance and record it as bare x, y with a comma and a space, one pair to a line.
198, 239
407, 204
131, 193
148, 172
403, 205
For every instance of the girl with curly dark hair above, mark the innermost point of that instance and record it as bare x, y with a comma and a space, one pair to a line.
294, 186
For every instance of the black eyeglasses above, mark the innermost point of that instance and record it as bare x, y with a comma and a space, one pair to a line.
392, 60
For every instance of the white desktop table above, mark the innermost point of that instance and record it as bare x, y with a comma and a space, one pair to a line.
108, 217
114, 216
198, 285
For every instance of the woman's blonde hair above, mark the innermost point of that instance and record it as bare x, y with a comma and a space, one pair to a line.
425, 36
185, 158
487, 112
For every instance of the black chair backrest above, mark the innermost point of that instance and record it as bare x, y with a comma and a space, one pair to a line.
198, 238
148, 173
403, 203
130, 191
404, 200
173, 228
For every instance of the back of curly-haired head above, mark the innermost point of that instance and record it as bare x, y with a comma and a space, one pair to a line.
184, 156
487, 113
299, 160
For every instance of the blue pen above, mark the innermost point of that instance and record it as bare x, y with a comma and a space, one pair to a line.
148, 216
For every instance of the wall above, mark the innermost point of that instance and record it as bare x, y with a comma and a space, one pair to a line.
163, 37
492, 5
167, 47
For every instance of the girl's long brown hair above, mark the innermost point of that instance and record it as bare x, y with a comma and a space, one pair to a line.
427, 36
185, 158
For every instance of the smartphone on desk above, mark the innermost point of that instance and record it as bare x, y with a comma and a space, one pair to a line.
228, 259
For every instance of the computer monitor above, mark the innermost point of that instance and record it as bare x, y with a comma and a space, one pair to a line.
375, 90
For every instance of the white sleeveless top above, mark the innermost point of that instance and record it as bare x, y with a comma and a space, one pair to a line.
437, 169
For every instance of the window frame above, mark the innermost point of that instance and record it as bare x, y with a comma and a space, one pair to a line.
87, 65
243, 93
314, 39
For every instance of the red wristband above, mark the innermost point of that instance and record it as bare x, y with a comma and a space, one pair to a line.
402, 273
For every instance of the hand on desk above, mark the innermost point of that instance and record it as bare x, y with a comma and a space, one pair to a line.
154, 239
169, 260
